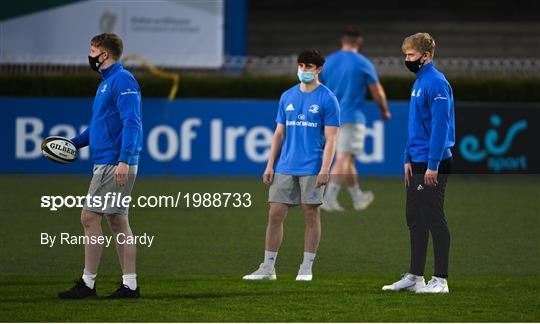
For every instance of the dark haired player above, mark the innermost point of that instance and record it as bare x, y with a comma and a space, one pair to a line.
348, 74
298, 167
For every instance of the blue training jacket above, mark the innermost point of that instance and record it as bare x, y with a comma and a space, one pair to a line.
115, 131
431, 119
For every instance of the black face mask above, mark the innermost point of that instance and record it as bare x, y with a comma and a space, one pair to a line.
95, 64
414, 66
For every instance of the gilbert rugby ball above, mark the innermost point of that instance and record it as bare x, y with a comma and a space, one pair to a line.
59, 149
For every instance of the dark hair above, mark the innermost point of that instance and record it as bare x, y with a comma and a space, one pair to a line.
110, 42
351, 34
311, 56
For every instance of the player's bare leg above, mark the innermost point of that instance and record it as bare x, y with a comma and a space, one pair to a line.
274, 230
361, 199
350, 178
312, 237
91, 222
127, 253
274, 236
85, 286
338, 176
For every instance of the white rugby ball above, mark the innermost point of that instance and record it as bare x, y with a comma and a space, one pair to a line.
59, 149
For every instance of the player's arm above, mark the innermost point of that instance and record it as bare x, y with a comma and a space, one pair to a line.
331, 129
407, 166
379, 96
275, 150
377, 91
128, 102
440, 106
83, 139
330, 133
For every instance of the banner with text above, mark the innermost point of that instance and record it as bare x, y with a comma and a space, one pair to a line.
232, 137
166, 32
497, 138
182, 137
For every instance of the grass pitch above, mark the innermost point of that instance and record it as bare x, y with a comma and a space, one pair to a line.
193, 270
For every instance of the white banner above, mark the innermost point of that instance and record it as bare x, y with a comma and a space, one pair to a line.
176, 33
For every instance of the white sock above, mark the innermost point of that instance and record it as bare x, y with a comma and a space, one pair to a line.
130, 280
332, 191
308, 260
270, 259
89, 279
355, 191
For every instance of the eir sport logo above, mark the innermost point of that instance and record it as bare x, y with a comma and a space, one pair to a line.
494, 146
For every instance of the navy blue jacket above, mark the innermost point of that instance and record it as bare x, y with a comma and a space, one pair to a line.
115, 131
431, 119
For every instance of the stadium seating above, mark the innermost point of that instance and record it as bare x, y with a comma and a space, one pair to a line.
483, 28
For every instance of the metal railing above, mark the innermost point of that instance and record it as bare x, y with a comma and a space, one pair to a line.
393, 66
286, 65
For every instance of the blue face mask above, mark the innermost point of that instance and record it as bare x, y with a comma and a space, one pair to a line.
306, 77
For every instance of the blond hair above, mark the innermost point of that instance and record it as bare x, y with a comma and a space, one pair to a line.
422, 42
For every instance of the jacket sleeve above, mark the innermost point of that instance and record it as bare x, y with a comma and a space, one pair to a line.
440, 104
127, 96
406, 156
82, 139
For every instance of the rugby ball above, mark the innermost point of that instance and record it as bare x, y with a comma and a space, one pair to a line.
59, 149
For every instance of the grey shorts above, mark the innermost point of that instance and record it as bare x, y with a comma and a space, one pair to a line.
295, 190
103, 182
351, 138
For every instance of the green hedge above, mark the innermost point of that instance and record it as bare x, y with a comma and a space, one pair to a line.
217, 86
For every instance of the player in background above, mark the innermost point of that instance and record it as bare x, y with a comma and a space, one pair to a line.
427, 161
115, 139
298, 168
348, 73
